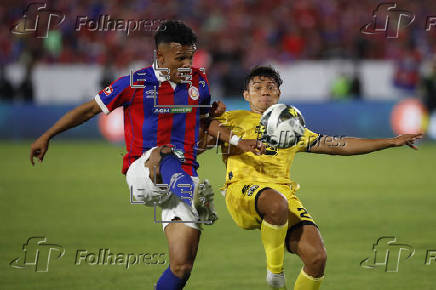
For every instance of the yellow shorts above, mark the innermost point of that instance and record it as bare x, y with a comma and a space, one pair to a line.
241, 198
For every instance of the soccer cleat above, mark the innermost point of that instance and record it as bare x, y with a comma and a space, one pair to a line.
203, 202
275, 281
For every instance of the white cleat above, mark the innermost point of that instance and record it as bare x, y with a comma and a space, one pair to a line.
203, 201
275, 281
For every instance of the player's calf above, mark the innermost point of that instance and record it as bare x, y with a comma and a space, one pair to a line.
179, 182
273, 208
307, 243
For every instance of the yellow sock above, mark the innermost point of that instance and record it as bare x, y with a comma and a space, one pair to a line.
273, 239
306, 282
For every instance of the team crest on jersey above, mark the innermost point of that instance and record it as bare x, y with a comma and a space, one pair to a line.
249, 189
193, 93
107, 91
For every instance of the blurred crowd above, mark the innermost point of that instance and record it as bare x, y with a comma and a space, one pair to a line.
234, 35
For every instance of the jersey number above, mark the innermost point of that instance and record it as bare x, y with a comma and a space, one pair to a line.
304, 213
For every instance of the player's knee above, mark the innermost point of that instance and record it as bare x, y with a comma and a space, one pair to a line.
277, 212
316, 261
181, 270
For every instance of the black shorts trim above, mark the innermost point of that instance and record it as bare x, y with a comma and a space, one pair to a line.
294, 227
256, 198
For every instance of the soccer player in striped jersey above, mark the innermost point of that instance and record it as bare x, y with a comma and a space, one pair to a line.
166, 109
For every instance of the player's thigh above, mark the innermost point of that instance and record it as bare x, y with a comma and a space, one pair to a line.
242, 200
140, 183
182, 243
153, 161
241, 203
273, 206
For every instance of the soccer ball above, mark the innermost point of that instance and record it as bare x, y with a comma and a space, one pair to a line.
281, 126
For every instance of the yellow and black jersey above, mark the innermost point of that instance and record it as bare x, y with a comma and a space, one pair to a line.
273, 166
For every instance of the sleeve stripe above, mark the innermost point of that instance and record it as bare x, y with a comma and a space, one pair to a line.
101, 104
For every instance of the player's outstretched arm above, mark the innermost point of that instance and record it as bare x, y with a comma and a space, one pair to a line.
71, 119
356, 146
206, 141
223, 133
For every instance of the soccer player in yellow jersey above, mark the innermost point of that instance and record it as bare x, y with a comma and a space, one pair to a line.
259, 191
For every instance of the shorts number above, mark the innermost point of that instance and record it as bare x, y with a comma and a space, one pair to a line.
304, 214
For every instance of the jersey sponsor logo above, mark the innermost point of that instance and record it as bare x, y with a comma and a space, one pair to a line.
161, 110
193, 93
178, 110
107, 91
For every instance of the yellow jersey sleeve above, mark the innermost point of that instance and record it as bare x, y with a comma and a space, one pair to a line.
307, 140
225, 119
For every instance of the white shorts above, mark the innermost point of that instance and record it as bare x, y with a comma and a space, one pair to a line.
144, 190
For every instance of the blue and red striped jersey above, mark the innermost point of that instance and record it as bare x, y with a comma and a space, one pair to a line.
158, 112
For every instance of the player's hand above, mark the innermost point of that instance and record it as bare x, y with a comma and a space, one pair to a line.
218, 108
252, 145
38, 149
407, 139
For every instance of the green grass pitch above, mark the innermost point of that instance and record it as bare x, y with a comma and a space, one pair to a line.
78, 199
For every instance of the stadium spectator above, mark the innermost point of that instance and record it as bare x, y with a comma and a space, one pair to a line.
428, 88
247, 32
6, 88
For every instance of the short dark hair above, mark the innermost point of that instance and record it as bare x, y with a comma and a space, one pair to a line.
175, 31
263, 71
